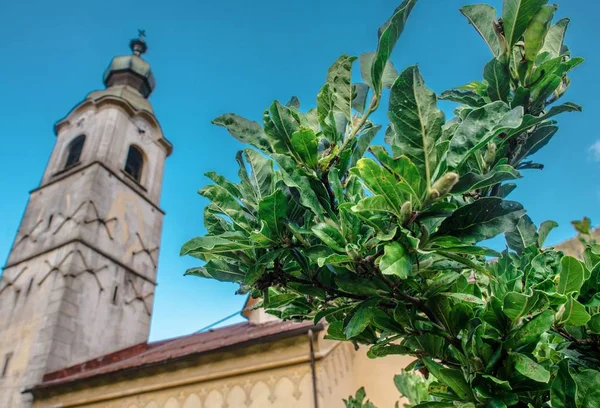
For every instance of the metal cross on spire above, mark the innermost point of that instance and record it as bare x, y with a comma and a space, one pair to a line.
138, 45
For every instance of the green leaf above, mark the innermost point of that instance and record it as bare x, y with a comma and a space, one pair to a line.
545, 228
553, 44
479, 128
363, 143
214, 224
389, 33
538, 139
523, 236
413, 110
537, 30
530, 121
244, 130
573, 314
516, 16
529, 368
339, 80
517, 305
588, 389
376, 203
395, 261
482, 219
226, 204
469, 98
361, 318
280, 124
526, 337
325, 113
359, 101
271, 210
482, 17
293, 178
451, 377
465, 298
404, 169
563, 389
380, 182
594, 323
219, 270
498, 78
306, 144
571, 275
366, 65
334, 259
280, 300
475, 181
330, 235
434, 405
261, 173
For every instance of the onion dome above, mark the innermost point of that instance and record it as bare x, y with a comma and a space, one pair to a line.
132, 70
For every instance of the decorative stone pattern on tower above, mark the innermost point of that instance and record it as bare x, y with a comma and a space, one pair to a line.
79, 281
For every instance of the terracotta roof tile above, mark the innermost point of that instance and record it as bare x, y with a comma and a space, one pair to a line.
146, 354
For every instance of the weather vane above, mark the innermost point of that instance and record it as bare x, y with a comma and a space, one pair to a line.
142, 34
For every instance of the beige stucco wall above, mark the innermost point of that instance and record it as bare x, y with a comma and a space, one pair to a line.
269, 375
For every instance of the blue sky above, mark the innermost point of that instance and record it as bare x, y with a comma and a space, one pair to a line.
212, 57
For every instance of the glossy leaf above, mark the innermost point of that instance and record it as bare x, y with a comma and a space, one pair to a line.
219, 270
517, 305
537, 30
516, 16
482, 17
474, 181
414, 112
571, 275
330, 235
227, 205
524, 235
389, 33
574, 314
395, 261
553, 43
479, 128
363, 143
380, 182
404, 169
588, 389
451, 377
563, 389
482, 219
272, 209
339, 80
359, 100
359, 321
244, 130
498, 78
293, 178
305, 143
529, 368
545, 228
366, 66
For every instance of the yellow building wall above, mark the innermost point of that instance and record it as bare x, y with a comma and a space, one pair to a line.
273, 375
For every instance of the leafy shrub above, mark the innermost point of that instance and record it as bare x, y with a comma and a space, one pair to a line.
387, 248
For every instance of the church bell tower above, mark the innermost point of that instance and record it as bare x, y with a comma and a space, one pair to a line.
80, 278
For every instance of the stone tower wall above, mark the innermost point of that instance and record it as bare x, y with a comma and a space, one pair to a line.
79, 281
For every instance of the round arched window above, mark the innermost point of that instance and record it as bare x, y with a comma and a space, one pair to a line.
135, 163
75, 148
